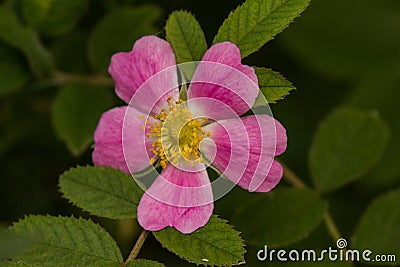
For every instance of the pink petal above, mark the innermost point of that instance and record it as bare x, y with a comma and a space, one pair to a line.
245, 150
273, 178
221, 76
281, 138
215, 109
177, 198
130, 70
110, 145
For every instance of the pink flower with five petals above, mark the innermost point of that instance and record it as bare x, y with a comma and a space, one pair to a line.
221, 90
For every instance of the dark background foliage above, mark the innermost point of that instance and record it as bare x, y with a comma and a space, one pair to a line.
342, 52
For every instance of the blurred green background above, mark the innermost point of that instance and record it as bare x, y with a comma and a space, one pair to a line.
342, 52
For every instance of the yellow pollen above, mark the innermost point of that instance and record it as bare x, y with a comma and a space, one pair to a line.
175, 135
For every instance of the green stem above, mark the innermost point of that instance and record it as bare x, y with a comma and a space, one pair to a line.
297, 182
61, 78
332, 228
136, 248
292, 177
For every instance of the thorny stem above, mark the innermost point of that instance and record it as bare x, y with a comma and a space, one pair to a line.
297, 182
136, 248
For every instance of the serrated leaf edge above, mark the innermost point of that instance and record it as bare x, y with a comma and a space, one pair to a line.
273, 37
64, 195
186, 12
276, 73
36, 217
205, 263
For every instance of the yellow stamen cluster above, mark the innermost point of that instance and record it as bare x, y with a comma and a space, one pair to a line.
176, 135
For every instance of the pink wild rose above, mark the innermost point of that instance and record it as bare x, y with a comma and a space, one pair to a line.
243, 148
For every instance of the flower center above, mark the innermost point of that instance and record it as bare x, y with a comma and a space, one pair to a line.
176, 135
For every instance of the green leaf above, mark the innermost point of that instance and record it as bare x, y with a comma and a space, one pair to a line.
118, 31
272, 85
185, 35
15, 264
365, 95
13, 72
104, 192
144, 263
77, 109
346, 145
217, 243
280, 217
256, 22
11, 245
378, 229
61, 241
25, 39
53, 17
